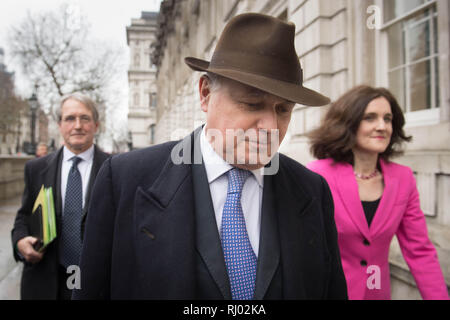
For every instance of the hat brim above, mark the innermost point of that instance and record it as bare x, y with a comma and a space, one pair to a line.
289, 91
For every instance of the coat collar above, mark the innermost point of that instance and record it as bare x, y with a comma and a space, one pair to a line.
208, 240
390, 191
50, 171
207, 236
293, 208
165, 187
51, 176
99, 158
165, 211
54, 160
285, 203
165, 194
348, 189
269, 250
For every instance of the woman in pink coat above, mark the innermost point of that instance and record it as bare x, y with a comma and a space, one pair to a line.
374, 198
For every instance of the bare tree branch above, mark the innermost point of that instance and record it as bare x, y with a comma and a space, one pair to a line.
55, 51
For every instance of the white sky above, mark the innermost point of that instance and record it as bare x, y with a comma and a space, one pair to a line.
108, 19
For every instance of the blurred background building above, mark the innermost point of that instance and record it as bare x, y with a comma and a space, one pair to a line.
18, 117
8, 132
399, 44
141, 81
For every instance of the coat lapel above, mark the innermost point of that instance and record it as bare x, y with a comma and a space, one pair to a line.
387, 200
348, 189
97, 162
207, 236
52, 178
165, 231
269, 248
292, 210
99, 158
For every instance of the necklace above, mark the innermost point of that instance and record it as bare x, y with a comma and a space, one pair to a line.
370, 176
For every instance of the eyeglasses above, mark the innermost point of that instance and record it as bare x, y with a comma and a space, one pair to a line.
83, 119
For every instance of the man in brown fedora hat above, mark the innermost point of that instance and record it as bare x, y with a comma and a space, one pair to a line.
220, 214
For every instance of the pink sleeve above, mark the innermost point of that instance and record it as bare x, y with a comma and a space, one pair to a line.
315, 166
417, 249
310, 165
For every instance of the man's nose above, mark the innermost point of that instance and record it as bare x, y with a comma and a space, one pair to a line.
77, 122
268, 119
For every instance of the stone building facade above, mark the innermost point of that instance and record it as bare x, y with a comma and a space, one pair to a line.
8, 121
400, 44
141, 80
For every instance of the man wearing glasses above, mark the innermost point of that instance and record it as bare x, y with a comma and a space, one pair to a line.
70, 172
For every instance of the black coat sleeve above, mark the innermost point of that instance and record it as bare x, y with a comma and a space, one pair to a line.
20, 228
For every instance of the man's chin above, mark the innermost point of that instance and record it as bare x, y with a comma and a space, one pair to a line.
250, 164
250, 167
78, 147
251, 160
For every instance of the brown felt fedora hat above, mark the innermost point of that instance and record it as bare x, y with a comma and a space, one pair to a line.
258, 50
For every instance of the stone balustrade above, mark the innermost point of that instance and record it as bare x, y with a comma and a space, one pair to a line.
11, 175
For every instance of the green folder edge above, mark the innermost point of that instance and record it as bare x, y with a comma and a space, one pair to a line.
45, 235
51, 229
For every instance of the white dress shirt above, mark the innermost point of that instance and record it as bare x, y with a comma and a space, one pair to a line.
252, 192
84, 166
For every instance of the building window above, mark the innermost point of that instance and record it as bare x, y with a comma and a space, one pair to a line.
136, 99
137, 60
413, 66
152, 100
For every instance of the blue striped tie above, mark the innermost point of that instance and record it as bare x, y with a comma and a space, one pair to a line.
70, 245
240, 259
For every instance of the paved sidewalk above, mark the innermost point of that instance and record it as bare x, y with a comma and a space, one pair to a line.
10, 271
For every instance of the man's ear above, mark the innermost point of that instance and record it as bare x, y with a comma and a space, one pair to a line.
204, 88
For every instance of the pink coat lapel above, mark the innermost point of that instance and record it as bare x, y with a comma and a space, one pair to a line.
348, 189
384, 211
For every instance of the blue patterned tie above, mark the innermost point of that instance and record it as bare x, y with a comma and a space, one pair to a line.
237, 250
70, 245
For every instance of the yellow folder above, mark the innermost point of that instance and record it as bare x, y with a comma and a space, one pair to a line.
43, 218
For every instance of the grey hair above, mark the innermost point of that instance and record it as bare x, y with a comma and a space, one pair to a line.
215, 80
84, 99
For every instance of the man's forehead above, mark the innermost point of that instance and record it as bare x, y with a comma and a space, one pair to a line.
74, 106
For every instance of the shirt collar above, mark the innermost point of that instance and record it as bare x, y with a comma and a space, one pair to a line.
216, 166
87, 155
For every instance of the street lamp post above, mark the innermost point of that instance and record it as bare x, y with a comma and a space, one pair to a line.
34, 105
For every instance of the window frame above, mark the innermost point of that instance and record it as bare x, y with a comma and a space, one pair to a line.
431, 114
